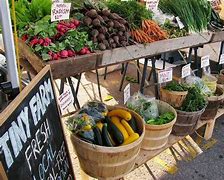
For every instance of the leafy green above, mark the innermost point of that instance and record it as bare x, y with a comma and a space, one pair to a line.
195, 100
175, 86
162, 119
30, 12
195, 14
131, 10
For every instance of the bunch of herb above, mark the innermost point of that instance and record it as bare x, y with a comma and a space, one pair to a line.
195, 100
195, 14
173, 30
175, 86
132, 11
27, 12
162, 119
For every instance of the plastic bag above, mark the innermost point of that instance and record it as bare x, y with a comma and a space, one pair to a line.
194, 80
209, 80
144, 105
96, 110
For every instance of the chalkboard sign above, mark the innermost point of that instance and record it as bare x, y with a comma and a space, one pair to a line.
32, 144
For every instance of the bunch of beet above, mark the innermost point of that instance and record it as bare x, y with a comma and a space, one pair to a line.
107, 29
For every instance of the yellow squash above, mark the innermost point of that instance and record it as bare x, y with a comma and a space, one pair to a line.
132, 138
120, 113
116, 121
127, 127
100, 125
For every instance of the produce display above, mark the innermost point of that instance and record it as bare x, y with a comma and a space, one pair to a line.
149, 110
95, 125
195, 15
101, 25
143, 29
105, 28
175, 86
195, 100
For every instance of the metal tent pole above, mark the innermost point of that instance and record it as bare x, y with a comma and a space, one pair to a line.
9, 46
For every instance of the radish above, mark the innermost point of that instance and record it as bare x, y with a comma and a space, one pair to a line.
55, 56
83, 51
71, 53
88, 52
25, 37
50, 53
64, 53
34, 42
41, 41
46, 44
76, 22
47, 40
72, 26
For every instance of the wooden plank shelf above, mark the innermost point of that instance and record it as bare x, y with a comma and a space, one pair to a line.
71, 66
145, 155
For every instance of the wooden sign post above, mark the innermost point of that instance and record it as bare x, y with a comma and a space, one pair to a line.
32, 144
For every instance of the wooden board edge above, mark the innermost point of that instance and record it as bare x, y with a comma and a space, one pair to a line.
2, 173
15, 103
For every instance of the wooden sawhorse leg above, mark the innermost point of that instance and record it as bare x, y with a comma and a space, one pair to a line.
209, 129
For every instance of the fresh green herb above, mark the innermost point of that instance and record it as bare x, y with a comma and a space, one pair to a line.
175, 86
194, 101
131, 10
173, 30
195, 14
28, 12
162, 119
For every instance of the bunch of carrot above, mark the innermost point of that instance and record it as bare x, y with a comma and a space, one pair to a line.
149, 32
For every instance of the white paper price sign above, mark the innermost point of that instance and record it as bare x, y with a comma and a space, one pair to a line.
186, 71
127, 93
221, 61
205, 61
60, 11
180, 24
65, 100
165, 75
152, 4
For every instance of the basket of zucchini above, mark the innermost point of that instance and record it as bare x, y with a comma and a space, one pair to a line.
106, 139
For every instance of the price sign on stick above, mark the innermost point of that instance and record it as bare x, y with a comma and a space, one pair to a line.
127, 93
152, 4
221, 61
165, 75
180, 24
186, 71
65, 100
60, 11
205, 61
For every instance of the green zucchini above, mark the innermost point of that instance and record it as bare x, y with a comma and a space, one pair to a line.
97, 136
133, 124
105, 136
115, 132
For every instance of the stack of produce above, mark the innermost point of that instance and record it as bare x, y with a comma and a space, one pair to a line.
107, 29
94, 124
195, 14
143, 29
149, 110
57, 40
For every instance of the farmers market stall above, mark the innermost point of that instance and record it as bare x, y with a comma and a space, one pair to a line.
111, 141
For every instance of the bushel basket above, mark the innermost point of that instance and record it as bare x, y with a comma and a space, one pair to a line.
109, 162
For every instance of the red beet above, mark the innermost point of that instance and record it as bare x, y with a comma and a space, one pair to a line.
64, 53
